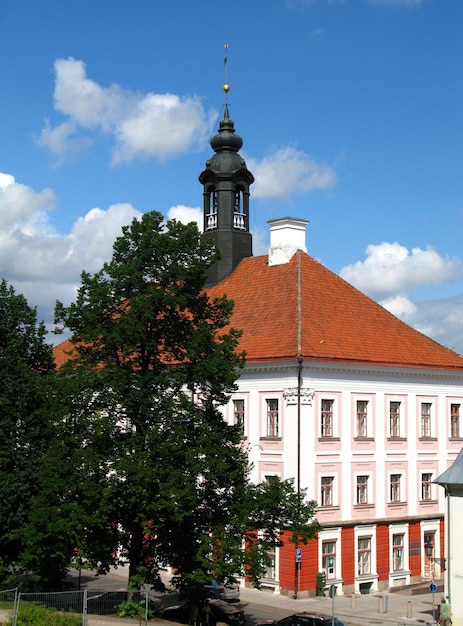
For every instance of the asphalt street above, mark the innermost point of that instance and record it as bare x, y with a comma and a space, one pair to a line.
377, 609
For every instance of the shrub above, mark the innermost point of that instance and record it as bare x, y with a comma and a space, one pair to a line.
36, 615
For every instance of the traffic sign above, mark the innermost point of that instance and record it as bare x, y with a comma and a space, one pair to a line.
298, 555
432, 587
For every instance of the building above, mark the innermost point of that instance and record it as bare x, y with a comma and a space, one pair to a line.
360, 409
452, 481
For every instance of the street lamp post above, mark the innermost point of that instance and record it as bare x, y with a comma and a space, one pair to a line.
428, 550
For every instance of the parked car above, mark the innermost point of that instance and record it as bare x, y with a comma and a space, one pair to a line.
220, 612
305, 619
230, 591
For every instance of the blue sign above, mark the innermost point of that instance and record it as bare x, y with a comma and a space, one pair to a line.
298, 555
432, 587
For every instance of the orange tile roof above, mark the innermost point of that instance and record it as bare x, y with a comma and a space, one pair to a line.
303, 308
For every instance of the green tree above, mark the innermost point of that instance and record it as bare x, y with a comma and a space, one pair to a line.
146, 469
153, 359
270, 508
26, 369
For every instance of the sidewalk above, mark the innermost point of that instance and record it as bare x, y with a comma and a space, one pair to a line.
377, 609
399, 607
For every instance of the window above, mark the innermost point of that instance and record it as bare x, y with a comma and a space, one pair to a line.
326, 429
429, 538
212, 209
329, 558
394, 488
425, 429
426, 480
362, 489
270, 568
394, 419
238, 414
271, 478
273, 429
455, 421
364, 556
361, 430
397, 552
326, 491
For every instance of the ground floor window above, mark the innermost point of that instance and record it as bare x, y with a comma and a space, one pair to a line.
364, 556
398, 552
270, 570
329, 558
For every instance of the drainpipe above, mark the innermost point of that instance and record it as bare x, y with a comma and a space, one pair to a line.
300, 361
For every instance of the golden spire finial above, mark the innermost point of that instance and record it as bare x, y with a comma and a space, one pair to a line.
226, 86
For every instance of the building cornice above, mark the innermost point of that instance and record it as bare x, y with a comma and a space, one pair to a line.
354, 370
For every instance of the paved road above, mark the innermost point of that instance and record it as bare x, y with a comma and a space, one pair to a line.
389, 609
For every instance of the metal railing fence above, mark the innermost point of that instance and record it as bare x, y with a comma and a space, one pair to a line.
81, 603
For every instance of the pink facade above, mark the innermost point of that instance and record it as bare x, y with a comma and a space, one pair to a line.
371, 444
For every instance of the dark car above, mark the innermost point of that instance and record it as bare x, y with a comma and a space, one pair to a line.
220, 612
230, 591
305, 619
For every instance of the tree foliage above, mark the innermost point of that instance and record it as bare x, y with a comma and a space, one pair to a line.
26, 367
144, 469
152, 363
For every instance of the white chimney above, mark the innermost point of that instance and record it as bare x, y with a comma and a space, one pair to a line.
287, 235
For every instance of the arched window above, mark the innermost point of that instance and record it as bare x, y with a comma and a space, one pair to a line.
239, 221
211, 208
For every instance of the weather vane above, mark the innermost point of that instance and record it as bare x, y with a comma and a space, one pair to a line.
226, 86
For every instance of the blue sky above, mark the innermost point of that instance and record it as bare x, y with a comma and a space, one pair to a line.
350, 111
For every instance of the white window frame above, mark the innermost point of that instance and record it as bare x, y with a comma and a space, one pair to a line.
367, 531
398, 552
272, 417
327, 418
455, 418
399, 574
365, 489
361, 419
330, 477
395, 419
361, 552
426, 487
333, 535
363, 427
395, 487
239, 417
426, 429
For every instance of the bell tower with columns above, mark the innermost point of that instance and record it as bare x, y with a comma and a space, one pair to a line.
226, 181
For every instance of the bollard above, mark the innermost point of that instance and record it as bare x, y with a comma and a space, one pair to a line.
380, 604
352, 601
409, 610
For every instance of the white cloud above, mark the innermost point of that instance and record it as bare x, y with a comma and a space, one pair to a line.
21, 209
60, 141
440, 319
399, 305
42, 264
142, 125
186, 214
392, 269
285, 171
